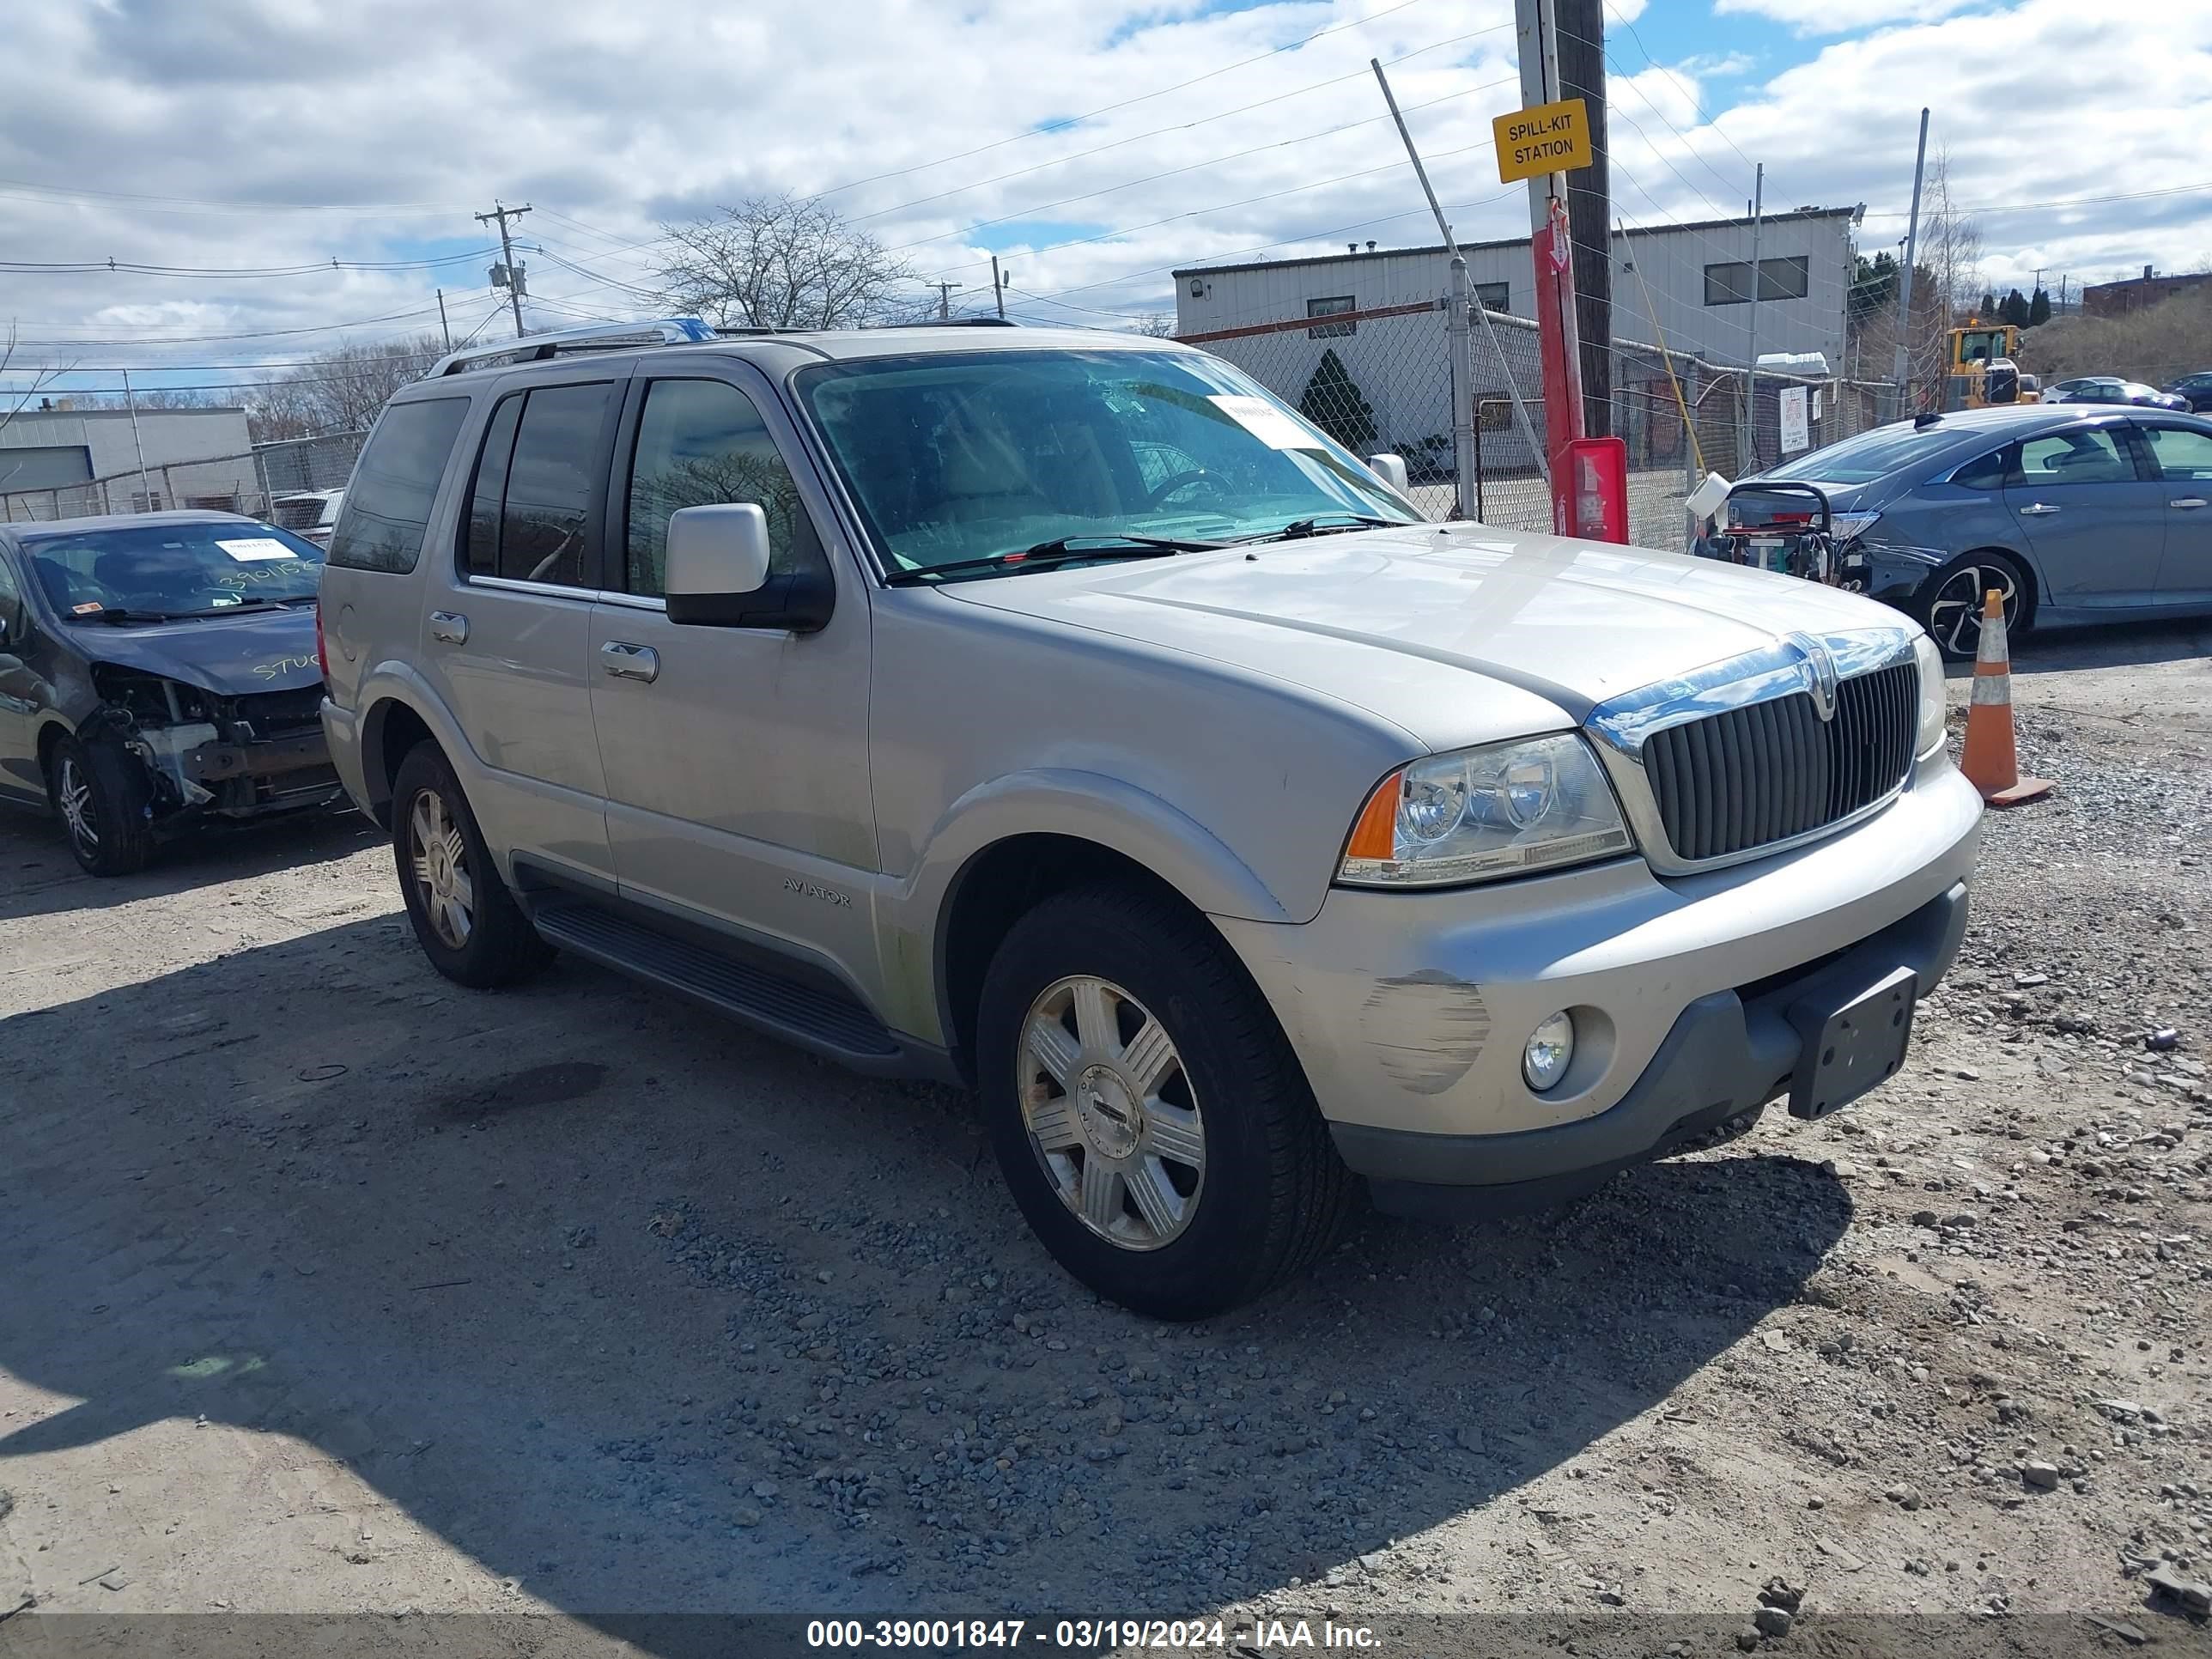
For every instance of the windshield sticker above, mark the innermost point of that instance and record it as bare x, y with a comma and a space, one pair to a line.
248, 550
88, 607
1266, 422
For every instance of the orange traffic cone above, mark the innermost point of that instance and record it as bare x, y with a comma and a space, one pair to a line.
1991, 762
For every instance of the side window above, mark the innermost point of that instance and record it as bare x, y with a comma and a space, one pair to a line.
2087, 455
488, 494
387, 505
545, 529
1333, 307
1987, 472
700, 443
2182, 453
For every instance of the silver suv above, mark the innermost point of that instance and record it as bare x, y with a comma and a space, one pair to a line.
1060, 713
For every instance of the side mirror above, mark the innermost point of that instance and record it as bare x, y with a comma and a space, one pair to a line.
4, 627
718, 576
1391, 469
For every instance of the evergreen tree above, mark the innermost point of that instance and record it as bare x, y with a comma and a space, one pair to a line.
2015, 309
1332, 402
1989, 306
2039, 309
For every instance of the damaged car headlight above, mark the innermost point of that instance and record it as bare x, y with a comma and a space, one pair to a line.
1932, 701
1506, 809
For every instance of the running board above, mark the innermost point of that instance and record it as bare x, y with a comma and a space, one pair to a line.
819, 1017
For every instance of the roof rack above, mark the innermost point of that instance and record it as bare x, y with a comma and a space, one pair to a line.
599, 337
733, 330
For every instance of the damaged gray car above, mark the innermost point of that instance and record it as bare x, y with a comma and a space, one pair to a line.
158, 673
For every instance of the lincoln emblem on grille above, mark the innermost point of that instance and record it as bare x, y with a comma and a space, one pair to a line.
1823, 668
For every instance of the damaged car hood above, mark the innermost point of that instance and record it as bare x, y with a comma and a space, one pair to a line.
1410, 622
228, 656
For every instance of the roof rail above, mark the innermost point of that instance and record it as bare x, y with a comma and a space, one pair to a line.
599, 337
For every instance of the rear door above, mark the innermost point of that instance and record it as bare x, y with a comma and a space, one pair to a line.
507, 632
2095, 522
2182, 457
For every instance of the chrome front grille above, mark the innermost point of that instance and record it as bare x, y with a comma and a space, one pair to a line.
1772, 771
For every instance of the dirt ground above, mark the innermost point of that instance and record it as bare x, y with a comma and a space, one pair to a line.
329, 1287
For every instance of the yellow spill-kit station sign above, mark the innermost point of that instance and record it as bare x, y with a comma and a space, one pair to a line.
1547, 138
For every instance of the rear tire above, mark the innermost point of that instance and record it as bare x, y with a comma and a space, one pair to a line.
466, 921
101, 793
1949, 603
1146, 1111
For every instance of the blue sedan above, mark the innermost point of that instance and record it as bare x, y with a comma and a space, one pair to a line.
2074, 513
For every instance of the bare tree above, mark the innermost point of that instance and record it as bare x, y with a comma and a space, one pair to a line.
12, 402
342, 389
781, 261
1159, 326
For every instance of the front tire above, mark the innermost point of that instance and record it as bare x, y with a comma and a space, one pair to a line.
101, 794
466, 921
1949, 604
1150, 1118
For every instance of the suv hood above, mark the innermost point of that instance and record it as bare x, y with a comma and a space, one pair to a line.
229, 656
1400, 622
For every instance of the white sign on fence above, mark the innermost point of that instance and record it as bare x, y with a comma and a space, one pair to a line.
1796, 428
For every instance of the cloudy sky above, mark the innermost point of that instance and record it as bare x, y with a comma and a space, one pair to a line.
241, 147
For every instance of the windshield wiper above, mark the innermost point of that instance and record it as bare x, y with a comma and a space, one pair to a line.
1061, 550
231, 609
1323, 524
118, 614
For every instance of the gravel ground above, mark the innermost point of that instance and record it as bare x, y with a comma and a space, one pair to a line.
331, 1287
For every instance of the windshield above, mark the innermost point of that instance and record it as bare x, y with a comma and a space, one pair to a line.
1869, 456
173, 569
981, 454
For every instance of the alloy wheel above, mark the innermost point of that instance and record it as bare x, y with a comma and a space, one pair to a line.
1955, 615
73, 790
440, 857
1111, 1113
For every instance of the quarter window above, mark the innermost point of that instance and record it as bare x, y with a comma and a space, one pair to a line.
2086, 456
530, 508
1332, 307
1987, 473
700, 443
2181, 451
387, 504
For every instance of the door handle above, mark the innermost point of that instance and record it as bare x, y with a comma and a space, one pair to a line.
449, 626
2035, 509
626, 661
2188, 501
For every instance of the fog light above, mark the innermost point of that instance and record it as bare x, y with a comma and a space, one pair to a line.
1545, 1060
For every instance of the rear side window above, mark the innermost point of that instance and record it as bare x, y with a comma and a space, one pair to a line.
2182, 453
531, 516
387, 505
1986, 472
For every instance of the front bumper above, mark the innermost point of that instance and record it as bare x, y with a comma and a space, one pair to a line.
1409, 1011
199, 771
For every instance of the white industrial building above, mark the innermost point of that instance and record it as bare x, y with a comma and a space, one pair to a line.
1697, 277
57, 461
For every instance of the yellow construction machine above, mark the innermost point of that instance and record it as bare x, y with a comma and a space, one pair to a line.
1985, 367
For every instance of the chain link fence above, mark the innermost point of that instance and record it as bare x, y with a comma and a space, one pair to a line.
217, 484
1379, 381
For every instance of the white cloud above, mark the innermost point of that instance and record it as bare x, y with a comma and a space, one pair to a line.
395, 122
1843, 16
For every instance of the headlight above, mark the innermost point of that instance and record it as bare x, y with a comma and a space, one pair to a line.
1850, 526
1503, 810
1933, 703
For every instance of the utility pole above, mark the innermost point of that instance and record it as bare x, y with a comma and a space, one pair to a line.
944, 299
1905, 276
1747, 453
1589, 207
1459, 335
999, 286
1550, 252
444, 327
507, 255
130, 403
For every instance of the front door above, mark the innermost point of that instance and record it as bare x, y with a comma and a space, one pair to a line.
507, 635
2183, 457
23, 692
2096, 527
735, 758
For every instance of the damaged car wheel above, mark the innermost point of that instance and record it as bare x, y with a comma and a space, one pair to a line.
466, 921
101, 794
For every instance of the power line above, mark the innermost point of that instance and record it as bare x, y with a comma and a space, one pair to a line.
1105, 109
134, 268
2066, 202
